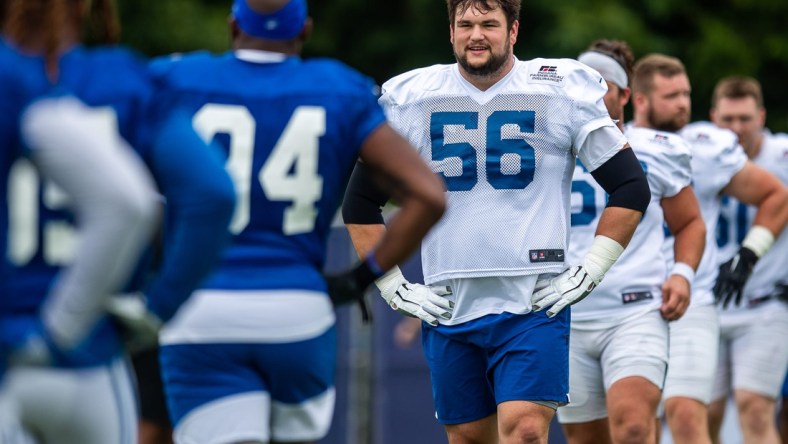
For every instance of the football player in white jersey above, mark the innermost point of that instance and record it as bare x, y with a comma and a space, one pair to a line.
504, 134
661, 100
753, 367
618, 352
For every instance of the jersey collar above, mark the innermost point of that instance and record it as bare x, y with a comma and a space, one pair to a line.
259, 56
482, 97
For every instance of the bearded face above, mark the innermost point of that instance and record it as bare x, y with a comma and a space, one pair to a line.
482, 41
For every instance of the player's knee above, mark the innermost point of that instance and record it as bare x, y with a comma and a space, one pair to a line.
634, 432
686, 418
529, 429
756, 413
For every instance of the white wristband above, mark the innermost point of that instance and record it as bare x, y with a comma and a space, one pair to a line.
759, 239
604, 252
684, 270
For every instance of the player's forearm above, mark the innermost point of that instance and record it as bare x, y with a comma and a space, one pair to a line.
395, 169
618, 224
773, 211
365, 237
623, 179
690, 242
406, 230
685, 221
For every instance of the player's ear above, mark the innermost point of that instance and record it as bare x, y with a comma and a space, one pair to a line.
625, 94
232, 25
513, 32
306, 32
639, 99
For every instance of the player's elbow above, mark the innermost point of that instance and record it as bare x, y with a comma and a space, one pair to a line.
634, 194
781, 202
623, 179
429, 196
130, 199
219, 197
130, 208
781, 196
434, 199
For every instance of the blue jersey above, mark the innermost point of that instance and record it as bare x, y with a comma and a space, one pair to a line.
292, 130
19, 85
115, 81
42, 235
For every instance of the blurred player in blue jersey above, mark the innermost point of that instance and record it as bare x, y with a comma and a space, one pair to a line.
662, 101
114, 201
751, 279
111, 195
199, 200
504, 134
618, 350
251, 357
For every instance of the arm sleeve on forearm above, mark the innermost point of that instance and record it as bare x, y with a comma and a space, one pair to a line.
623, 179
364, 200
114, 202
200, 199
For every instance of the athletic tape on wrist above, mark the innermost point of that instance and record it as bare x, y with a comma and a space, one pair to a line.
759, 239
684, 270
392, 278
604, 252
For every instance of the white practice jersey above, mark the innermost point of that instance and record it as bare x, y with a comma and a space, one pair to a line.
507, 155
716, 158
736, 219
633, 285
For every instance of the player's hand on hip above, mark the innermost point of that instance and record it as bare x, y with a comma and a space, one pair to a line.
351, 286
676, 293
732, 277
139, 326
428, 303
567, 288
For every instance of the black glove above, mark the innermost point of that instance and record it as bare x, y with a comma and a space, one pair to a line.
733, 275
350, 286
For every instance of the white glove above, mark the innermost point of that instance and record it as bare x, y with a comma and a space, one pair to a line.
415, 300
140, 327
569, 287
574, 284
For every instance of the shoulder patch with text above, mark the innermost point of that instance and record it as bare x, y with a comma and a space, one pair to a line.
662, 139
546, 74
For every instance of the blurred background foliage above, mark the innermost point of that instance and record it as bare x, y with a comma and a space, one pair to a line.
382, 38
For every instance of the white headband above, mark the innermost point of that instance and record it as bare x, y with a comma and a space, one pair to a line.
610, 69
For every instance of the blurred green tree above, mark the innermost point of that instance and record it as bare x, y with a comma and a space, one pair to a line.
385, 37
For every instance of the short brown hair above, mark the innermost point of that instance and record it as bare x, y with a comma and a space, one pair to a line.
737, 87
648, 66
510, 8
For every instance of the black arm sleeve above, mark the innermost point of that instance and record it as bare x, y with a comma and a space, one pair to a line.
623, 179
364, 200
